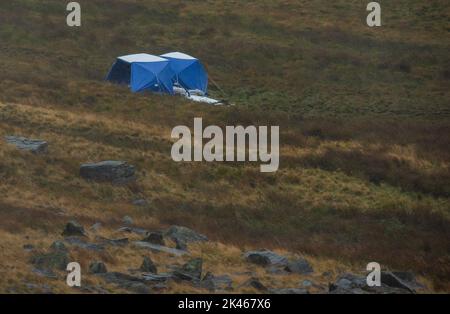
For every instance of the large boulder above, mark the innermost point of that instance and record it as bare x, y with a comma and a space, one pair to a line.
184, 234
216, 283
127, 282
265, 258
53, 260
148, 266
117, 172
73, 228
191, 271
299, 266
159, 248
97, 268
34, 146
354, 284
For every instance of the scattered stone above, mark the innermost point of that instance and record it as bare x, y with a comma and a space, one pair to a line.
113, 242
184, 234
254, 283
409, 278
276, 270
47, 273
97, 268
58, 246
49, 261
127, 220
191, 271
34, 146
180, 244
300, 266
289, 291
28, 247
392, 280
159, 278
154, 238
73, 228
353, 284
159, 248
117, 172
217, 283
38, 288
148, 266
127, 282
140, 202
139, 231
81, 243
92, 289
265, 258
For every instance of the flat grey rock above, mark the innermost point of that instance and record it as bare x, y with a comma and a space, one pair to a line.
265, 258
299, 266
82, 243
217, 283
127, 282
117, 172
184, 234
140, 231
159, 248
32, 145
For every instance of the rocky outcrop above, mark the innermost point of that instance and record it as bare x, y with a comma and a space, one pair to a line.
191, 271
265, 258
34, 146
127, 282
299, 266
97, 268
255, 284
354, 284
148, 266
184, 234
117, 172
216, 283
159, 248
73, 228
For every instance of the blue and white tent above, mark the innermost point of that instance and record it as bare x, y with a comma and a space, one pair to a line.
143, 72
189, 72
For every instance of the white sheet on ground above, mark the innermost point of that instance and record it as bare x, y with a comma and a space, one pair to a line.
204, 99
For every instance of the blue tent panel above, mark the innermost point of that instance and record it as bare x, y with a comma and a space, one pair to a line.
156, 77
189, 71
143, 72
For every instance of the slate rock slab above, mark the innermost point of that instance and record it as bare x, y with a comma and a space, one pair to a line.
265, 258
159, 248
97, 268
32, 145
73, 228
184, 234
191, 271
300, 266
117, 172
353, 284
50, 261
148, 266
127, 282
217, 283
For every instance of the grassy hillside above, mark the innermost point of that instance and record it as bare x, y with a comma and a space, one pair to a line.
364, 115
